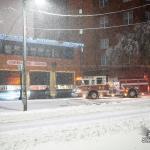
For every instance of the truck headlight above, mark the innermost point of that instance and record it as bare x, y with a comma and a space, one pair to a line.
78, 90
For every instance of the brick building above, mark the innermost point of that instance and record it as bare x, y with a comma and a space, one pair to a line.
113, 25
47, 53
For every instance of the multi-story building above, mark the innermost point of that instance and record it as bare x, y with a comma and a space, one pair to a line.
47, 52
115, 34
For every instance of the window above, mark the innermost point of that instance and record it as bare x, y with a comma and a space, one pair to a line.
103, 59
41, 51
125, 1
128, 17
32, 51
68, 53
99, 80
80, 11
86, 82
1, 47
17, 49
57, 53
147, 15
104, 22
39, 78
63, 78
104, 43
8, 48
9, 78
103, 3
92, 82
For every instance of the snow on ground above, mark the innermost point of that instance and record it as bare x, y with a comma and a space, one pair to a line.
81, 124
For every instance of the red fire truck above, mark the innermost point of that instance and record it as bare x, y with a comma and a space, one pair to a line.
98, 86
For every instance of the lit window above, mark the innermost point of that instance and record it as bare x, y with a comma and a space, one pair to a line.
104, 22
128, 17
103, 3
104, 43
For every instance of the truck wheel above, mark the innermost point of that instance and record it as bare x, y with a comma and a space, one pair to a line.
93, 95
132, 93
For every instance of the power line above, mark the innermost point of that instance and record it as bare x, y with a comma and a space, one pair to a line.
14, 23
91, 15
84, 29
9, 8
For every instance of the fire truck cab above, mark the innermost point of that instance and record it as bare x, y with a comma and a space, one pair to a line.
92, 87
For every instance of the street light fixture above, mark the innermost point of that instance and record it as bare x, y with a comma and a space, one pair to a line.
40, 2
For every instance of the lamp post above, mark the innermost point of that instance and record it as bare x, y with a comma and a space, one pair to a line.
24, 79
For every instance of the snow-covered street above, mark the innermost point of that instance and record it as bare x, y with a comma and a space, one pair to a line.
75, 123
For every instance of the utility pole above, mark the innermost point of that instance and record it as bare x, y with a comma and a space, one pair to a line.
24, 79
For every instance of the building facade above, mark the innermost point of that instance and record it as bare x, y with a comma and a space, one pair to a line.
116, 37
86, 37
47, 54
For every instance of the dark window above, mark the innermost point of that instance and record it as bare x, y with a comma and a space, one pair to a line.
125, 1
1, 47
68, 53
103, 3
16, 48
39, 78
128, 17
104, 21
8, 48
147, 15
64, 78
86, 82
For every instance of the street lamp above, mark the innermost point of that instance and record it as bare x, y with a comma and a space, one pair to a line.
24, 78
40, 3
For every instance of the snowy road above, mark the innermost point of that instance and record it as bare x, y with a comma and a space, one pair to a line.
63, 122
6, 106
73, 120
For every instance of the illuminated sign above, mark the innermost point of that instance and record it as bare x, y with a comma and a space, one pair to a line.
29, 63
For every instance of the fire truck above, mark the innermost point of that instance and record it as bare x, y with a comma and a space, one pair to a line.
94, 87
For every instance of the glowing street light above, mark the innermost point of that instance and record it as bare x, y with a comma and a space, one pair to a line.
40, 3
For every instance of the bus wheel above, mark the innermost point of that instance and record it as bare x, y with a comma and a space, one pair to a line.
132, 93
93, 95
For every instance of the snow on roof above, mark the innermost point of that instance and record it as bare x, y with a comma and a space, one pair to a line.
41, 41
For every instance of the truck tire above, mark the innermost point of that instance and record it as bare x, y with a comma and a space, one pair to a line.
93, 95
132, 93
